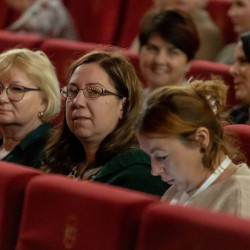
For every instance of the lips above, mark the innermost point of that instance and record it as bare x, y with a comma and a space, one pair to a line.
169, 181
77, 118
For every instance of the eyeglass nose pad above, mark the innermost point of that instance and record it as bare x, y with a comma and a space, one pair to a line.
2, 92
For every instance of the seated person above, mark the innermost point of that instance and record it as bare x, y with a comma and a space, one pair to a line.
168, 43
43, 17
209, 33
96, 140
240, 71
29, 99
239, 13
181, 130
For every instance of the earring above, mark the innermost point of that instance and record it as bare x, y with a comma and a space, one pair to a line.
202, 150
40, 114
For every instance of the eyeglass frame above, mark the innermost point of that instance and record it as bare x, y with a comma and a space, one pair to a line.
104, 92
23, 91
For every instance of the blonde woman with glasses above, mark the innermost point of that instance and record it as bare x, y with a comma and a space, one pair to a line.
29, 99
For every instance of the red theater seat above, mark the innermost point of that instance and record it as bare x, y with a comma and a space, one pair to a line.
10, 40
242, 134
61, 213
218, 10
133, 12
13, 181
203, 69
180, 228
62, 53
96, 21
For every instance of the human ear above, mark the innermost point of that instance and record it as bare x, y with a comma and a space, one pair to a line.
202, 136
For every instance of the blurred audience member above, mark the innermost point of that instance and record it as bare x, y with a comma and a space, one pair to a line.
240, 71
29, 99
210, 37
47, 18
97, 141
239, 13
181, 130
168, 42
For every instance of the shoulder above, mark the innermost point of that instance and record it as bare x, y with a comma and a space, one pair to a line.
131, 169
131, 156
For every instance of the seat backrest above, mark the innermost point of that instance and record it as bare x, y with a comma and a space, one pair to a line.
133, 12
13, 181
242, 133
10, 40
7, 15
60, 213
175, 227
218, 11
63, 52
96, 21
202, 69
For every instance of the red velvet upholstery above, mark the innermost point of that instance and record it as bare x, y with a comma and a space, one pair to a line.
61, 213
7, 15
13, 180
180, 228
4, 12
10, 40
133, 12
218, 10
242, 133
202, 69
96, 21
62, 53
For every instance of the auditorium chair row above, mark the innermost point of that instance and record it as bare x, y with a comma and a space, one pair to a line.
51, 212
63, 52
117, 22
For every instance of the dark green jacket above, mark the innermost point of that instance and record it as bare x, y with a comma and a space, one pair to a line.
29, 151
131, 169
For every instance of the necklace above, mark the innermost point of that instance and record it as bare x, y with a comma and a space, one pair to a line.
83, 174
211, 179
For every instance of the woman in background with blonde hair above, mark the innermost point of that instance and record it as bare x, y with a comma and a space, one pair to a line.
29, 100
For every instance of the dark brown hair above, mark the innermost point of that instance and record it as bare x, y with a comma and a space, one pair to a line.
173, 26
64, 150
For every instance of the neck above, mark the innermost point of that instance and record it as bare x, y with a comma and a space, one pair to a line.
13, 134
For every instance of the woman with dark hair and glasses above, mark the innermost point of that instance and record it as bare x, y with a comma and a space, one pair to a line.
29, 99
96, 140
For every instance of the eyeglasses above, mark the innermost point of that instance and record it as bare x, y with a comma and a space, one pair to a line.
91, 91
16, 92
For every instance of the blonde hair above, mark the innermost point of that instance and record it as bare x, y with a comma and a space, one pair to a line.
39, 69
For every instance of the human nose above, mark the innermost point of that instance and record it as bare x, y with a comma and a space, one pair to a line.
231, 11
233, 70
156, 170
3, 93
161, 57
80, 97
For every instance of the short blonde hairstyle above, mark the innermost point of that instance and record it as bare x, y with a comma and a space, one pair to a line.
39, 69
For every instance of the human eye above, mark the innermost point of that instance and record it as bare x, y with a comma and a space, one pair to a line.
161, 156
17, 88
242, 60
94, 91
72, 91
175, 51
152, 48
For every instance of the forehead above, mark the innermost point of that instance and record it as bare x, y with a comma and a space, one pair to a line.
14, 73
90, 73
157, 40
150, 144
